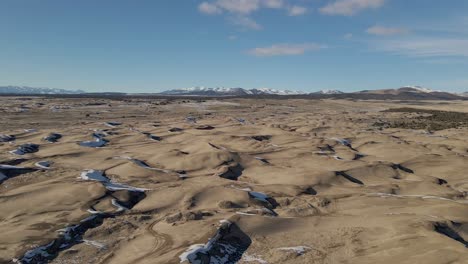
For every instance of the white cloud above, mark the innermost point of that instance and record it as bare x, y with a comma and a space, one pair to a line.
232, 37
296, 10
426, 47
245, 22
350, 7
240, 11
273, 3
244, 7
386, 31
284, 49
239, 6
209, 9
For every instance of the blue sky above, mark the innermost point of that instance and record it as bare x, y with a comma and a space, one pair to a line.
308, 45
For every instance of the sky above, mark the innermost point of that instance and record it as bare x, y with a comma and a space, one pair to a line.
305, 45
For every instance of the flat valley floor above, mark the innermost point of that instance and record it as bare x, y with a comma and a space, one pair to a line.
230, 181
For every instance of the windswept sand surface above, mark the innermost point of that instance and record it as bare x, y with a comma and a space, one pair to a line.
231, 181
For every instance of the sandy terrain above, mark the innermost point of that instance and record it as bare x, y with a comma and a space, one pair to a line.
232, 181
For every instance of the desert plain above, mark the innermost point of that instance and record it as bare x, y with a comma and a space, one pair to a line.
231, 180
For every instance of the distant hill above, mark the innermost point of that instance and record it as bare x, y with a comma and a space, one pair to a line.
405, 89
412, 92
32, 90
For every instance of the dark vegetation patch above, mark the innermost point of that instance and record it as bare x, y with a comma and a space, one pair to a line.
431, 120
401, 167
227, 246
358, 156
205, 127
7, 172
53, 137
73, 234
449, 229
261, 137
26, 148
348, 177
231, 172
6, 138
151, 136
176, 129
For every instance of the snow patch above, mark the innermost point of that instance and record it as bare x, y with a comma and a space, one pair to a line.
120, 208
191, 254
113, 124
253, 258
259, 196
342, 141
99, 141
94, 175
300, 250
328, 91
223, 248
43, 165
420, 89
94, 244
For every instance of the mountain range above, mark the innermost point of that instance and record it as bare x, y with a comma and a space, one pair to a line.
32, 90
222, 91
406, 92
403, 93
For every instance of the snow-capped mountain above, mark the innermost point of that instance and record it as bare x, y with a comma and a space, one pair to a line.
404, 89
223, 91
411, 88
32, 90
274, 91
329, 92
206, 91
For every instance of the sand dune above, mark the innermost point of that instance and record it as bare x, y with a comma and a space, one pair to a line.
228, 181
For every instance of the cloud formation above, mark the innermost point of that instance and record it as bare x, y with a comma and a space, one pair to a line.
245, 22
296, 10
239, 11
284, 49
350, 7
244, 7
240, 7
426, 47
386, 31
209, 9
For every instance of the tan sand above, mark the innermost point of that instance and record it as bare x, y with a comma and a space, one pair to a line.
292, 181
